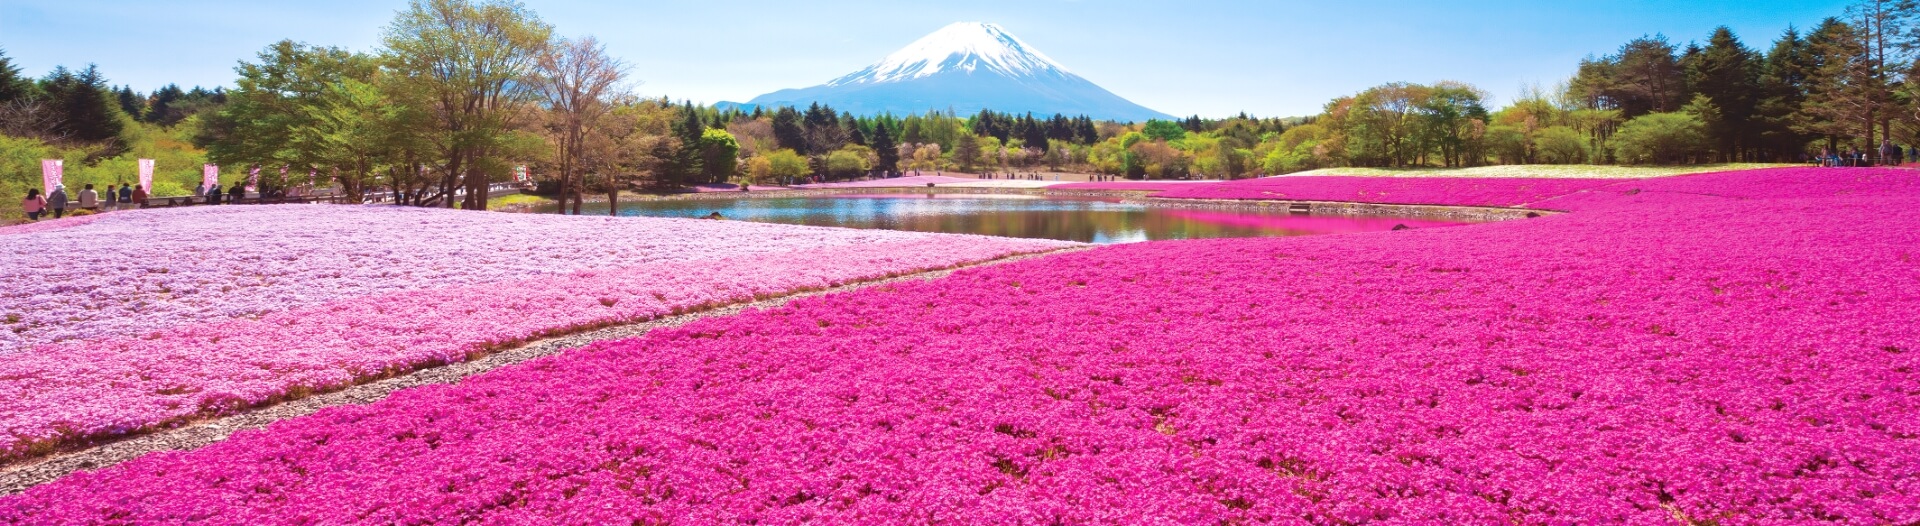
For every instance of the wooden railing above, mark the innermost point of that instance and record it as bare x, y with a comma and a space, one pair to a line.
169, 202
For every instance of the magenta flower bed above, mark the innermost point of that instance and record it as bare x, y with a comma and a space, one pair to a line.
1140, 186
138, 321
1772, 183
1679, 361
1462, 191
1307, 224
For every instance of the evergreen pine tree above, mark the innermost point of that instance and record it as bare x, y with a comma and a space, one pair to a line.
788, 131
131, 103
884, 149
86, 108
1783, 89
12, 84
854, 135
1728, 73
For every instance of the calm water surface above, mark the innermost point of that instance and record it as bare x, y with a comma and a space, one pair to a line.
1071, 219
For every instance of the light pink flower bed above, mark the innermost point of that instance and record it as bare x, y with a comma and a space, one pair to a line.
144, 318
1742, 356
913, 181
710, 188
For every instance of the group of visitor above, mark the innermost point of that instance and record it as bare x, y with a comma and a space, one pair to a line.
1890, 155
1018, 176
93, 201
214, 193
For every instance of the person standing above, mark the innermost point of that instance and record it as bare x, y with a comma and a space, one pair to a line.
139, 196
58, 201
213, 194
34, 205
126, 197
236, 193
89, 199
200, 190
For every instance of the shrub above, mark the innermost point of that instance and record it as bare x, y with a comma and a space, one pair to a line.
1660, 138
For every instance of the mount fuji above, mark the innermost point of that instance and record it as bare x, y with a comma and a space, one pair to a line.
965, 67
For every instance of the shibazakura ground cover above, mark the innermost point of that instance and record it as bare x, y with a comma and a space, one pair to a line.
1733, 348
133, 320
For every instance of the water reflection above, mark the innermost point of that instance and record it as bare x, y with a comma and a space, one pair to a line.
1089, 220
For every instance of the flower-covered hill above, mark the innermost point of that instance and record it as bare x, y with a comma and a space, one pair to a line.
1747, 357
133, 320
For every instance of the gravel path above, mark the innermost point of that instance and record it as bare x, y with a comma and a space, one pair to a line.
19, 477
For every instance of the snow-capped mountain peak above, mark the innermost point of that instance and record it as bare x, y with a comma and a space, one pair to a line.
962, 46
963, 68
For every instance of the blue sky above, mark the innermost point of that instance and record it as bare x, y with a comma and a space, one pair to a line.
1211, 58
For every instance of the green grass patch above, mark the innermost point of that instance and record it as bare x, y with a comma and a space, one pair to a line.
517, 201
1544, 171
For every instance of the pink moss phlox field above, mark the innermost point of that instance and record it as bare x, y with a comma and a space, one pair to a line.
1140, 186
1462, 191
1691, 359
1307, 224
49, 224
730, 187
908, 181
140, 334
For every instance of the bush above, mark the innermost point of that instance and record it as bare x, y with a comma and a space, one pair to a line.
1660, 138
1561, 145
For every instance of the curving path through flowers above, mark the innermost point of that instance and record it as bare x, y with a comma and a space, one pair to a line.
1733, 348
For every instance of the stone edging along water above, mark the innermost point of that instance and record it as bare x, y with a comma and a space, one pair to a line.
1145, 198
25, 474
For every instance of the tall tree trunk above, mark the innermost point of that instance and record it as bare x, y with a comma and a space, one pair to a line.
613, 201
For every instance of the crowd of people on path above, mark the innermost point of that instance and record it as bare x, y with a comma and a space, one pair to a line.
1889, 155
213, 193
55, 203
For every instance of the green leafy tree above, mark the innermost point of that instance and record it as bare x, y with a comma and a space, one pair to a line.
786, 165
719, 154
472, 63
849, 161
1660, 138
1164, 130
1561, 145
577, 81
966, 153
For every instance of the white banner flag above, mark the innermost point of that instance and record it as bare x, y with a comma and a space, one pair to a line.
253, 177
146, 174
209, 175
51, 172
520, 173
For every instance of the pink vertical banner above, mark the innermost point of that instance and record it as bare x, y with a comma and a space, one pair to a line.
146, 174
253, 178
51, 172
209, 175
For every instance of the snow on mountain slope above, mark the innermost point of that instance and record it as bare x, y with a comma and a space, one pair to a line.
963, 46
964, 67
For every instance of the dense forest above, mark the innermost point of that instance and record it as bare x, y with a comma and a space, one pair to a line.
462, 92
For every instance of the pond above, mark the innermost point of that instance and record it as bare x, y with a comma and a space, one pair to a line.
1087, 220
